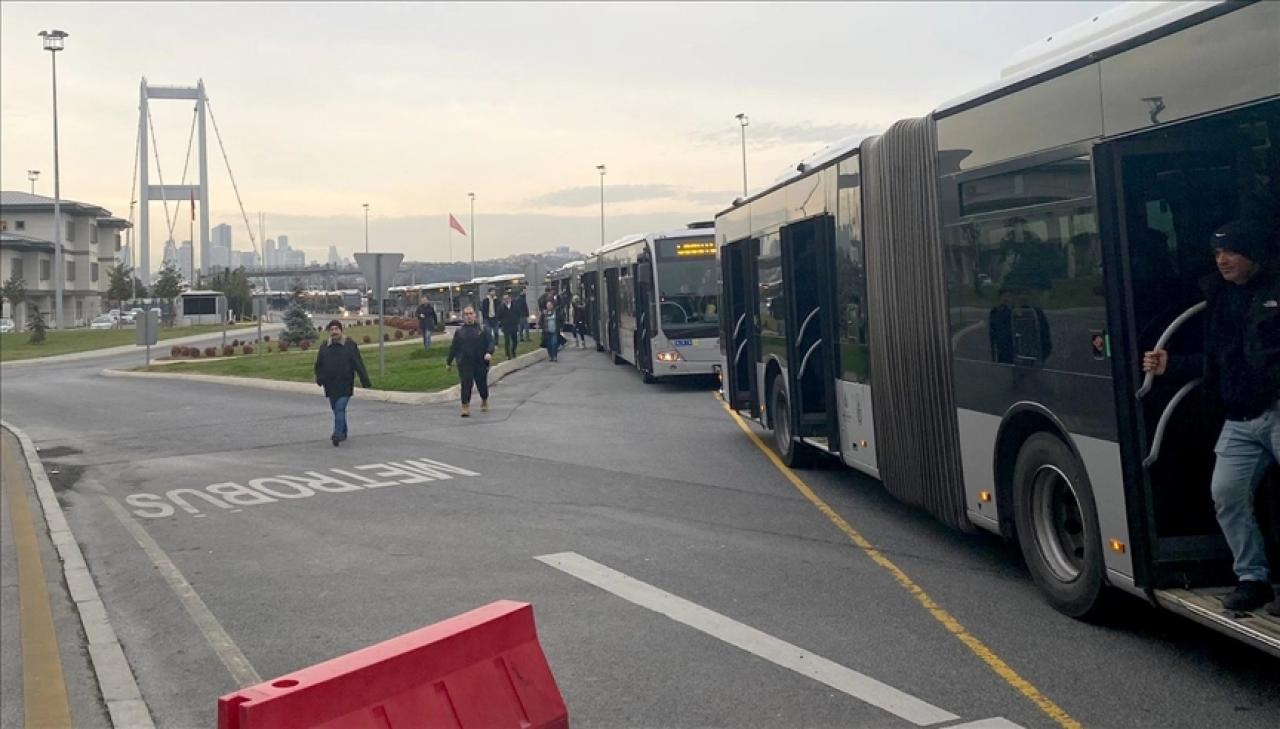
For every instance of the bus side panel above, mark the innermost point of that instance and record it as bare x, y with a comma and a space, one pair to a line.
857, 426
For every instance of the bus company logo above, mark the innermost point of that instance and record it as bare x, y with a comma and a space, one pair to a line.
233, 497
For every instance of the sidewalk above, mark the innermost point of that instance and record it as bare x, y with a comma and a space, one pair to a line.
47, 663
159, 347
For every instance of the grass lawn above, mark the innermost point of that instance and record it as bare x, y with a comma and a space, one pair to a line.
14, 346
409, 368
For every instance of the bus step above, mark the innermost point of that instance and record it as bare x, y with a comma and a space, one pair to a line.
822, 444
1202, 605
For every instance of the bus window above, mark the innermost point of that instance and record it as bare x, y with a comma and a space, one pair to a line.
689, 288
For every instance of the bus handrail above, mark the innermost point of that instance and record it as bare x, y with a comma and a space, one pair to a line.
738, 327
805, 361
1164, 422
1164, 339
805, 325
738, 355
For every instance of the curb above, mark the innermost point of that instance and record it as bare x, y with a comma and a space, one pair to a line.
496, 373
118, 350
116, 682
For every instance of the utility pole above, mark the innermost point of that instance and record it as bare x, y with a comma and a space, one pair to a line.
742, 122
602, 170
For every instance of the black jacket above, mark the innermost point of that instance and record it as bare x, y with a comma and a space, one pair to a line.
509, 318
471, 343
426, 317
489, 308
337, 367
1241, 359
521, 305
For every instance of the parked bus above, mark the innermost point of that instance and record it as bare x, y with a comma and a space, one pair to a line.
959, 306
659, 301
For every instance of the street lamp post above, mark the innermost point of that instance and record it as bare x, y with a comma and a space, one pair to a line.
742, 122
366, 227
602, 170
472, 195
33, 175
53, 42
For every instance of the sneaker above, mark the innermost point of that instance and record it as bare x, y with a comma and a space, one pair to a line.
335, 440
1248, 595
484, 406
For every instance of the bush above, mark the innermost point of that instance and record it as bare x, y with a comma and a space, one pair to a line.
399, 334
266, 337
248, 349
367, 339
306, 344
283, 347
175, 351
229, 350
193, 353
211, 351
386, 337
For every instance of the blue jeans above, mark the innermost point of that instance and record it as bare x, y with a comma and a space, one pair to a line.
1246, 448
495, 330
426, 339
523, 331
339, 405
551, 340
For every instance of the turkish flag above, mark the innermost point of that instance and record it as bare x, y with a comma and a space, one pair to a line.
453, 223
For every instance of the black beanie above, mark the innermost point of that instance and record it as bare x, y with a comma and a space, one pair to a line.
1249, 238
332, 324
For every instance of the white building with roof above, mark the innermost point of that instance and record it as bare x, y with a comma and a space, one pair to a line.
91, 241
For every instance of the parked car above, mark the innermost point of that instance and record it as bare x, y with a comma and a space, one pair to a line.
6, 325
106, 321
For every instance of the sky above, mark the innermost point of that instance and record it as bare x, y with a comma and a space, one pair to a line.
409, 106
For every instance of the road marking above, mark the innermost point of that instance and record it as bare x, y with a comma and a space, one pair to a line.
227, 651
775, 650
44, 690
971, 641
998, 722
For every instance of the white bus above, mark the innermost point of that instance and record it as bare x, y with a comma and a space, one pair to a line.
659, 301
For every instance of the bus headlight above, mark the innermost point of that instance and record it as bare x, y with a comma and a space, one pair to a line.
670, 356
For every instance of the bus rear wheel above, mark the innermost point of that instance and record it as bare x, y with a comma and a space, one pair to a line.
793, 453
1057, 523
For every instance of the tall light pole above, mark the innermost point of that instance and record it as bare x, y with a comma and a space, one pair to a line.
366, 227
743, 122
53, 40
33, 175
472, 195
602, 170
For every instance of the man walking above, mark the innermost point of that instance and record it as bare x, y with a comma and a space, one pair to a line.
1241, 368
509, 319
472, 347
522, 312
549, 323
337, 364
489, 315
426, 322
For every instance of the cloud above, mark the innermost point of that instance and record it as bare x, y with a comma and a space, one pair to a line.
576, 197
771, 134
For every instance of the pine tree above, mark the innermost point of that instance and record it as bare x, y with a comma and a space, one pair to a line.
168, 285
297, 326
37, 326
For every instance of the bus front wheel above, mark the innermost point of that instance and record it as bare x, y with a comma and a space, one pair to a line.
1057, 524
793, 453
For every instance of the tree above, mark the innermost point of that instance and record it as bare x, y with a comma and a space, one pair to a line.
119, 284
168, 285
37, 326
139, 288
235, 285
14, 291
297, 326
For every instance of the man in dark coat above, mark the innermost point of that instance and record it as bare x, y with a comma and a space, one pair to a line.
472, 347
1241, 369
522, 312
337, 364
426, 322
509, 319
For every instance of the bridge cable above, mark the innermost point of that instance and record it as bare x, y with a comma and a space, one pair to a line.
236, 188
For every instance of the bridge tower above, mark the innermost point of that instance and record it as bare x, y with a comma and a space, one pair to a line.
148, 192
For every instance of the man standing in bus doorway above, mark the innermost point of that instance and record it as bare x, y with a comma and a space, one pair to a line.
472, 347
337, 364
1241, 367
509, 319
489, 314
426, 322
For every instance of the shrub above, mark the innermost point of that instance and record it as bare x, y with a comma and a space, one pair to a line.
284, 347
193, 353
367, 339
306, 344
229, 350
211, 351
175, 351
399, 334
248, 349
386, 337
266, 337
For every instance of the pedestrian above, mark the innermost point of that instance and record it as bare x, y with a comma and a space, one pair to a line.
522, 311
337, 364
426, 322
472, 347
579, 321
489, 314
509, 319
549, 323
1240, 367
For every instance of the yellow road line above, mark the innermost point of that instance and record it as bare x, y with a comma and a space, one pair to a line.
44, 691
953, 626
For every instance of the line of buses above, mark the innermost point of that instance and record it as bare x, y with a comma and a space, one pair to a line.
958, 306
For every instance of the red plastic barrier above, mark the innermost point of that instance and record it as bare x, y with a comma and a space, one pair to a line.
479, 670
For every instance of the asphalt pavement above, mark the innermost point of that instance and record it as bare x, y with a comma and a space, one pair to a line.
684, 581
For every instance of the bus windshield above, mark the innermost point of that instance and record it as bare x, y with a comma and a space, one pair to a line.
688, 288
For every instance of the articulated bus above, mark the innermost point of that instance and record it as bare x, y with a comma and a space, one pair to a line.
958, 306
659, 301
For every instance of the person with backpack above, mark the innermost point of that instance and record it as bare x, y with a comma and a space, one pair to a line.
472, 347
337, 364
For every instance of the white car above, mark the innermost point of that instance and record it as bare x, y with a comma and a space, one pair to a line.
6, 325
106, 321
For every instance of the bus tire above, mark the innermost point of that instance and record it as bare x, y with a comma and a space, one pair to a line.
792, 452
1057, 525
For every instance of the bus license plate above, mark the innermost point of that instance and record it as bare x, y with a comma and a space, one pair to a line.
683, 342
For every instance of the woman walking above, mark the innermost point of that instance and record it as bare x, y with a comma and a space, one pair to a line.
472, 347
549, 323
337, 364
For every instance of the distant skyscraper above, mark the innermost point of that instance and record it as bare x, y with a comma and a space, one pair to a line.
222, 235
334, 258
282, 242
269, 252
185, 252
221, 258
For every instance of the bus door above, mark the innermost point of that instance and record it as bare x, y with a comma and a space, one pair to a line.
643, 277
808, 264
741, 350
611, 310
590, 294
1161, 195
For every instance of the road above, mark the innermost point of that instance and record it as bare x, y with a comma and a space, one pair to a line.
585, 467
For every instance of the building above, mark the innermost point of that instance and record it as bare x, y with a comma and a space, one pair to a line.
91, 240
221, 234
334, 258
220, 257
269, 252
